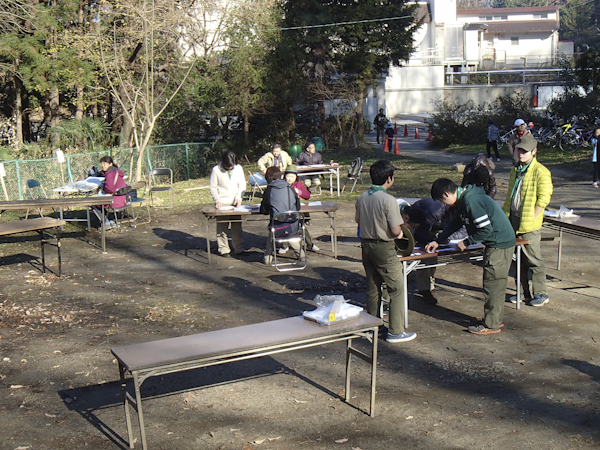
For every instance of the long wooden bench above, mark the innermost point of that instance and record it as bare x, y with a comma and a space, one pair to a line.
40, 225
149, 359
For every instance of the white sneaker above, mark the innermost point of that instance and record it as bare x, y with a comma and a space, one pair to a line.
283, 250
595, 184
314, 248
498, 159
109, 224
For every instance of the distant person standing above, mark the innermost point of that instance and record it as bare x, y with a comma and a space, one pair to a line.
227, 184
595, 140
519, 132
492, 140
389, 132
380, 122
529, 192
379, 220
479, 172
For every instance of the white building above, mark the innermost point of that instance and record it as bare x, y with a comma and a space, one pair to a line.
451, 44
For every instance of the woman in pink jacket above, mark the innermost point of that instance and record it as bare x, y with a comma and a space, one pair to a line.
291, 176
113, 180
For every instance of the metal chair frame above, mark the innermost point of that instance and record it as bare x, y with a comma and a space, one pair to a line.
288, 217
31, 185
256, 186
161, 187
354, 176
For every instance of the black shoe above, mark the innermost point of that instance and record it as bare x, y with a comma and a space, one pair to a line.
225, 255
383, 331
428, 297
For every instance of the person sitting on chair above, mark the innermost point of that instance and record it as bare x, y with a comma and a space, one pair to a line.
291, 176
275, 158
113, 180
280, 197
309, 157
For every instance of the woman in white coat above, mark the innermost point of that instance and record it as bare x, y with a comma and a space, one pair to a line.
227, 185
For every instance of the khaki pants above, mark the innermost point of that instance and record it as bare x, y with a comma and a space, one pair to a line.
496, 263
531, 259
382, 266
237, 235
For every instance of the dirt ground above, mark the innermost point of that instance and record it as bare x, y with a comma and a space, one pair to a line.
534, 385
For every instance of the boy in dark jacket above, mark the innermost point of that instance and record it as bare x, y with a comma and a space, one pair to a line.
427, 217
280, 197
486, 223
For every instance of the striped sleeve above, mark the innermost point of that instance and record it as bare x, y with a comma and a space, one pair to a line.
482, 221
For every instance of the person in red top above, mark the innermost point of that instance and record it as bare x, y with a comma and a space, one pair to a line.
291, 176
519, 132
113, 180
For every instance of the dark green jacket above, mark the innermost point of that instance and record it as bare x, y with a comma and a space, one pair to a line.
484, 219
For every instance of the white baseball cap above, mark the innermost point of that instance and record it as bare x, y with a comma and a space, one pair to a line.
519, 122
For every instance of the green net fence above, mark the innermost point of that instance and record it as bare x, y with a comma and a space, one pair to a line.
188, 161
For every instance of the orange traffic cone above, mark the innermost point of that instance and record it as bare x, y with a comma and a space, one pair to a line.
405, 130
396, 147
395, 128
385, 145
430, 137
417, 133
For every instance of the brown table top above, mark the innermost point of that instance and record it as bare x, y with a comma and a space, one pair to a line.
221, 343
22, 226
323, 207
318, 167
56, 202
582, 224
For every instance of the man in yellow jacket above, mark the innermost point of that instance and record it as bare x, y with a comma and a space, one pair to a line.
529, 192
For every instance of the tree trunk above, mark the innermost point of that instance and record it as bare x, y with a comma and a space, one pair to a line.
246, 130
321, 114
54, 103
291, 124
18, 114
80, 109
360, 130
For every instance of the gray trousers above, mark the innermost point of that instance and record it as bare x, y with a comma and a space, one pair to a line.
381, 265
496, 263
531, 259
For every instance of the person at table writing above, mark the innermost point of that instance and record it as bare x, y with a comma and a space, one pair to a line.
227, 185
307, 158
529, 192
379, 220
426, 218
486, 223
113, 180
280, 197
291, 176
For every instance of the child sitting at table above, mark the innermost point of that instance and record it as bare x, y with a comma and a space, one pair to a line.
291, 176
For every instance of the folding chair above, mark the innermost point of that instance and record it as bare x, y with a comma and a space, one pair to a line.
354, 173
287, 229
126, 209
255, 183
140, 188
35, 190
161, 180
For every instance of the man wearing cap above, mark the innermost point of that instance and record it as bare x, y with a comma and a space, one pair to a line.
520, 131
307, 158
529, 192
379, 220
380, 122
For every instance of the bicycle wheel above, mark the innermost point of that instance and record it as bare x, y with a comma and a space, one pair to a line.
501, 143
570, 142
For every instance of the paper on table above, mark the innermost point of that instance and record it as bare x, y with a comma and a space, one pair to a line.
245, 208
226, 208
317, 203
317, 165
563, 211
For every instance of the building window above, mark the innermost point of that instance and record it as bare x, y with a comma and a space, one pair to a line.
500, 17
514, 41
540, 16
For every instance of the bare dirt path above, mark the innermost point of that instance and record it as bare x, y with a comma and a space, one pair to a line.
535, 385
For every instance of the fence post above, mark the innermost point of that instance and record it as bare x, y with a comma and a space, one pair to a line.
18, 180
69, 174
187, 161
